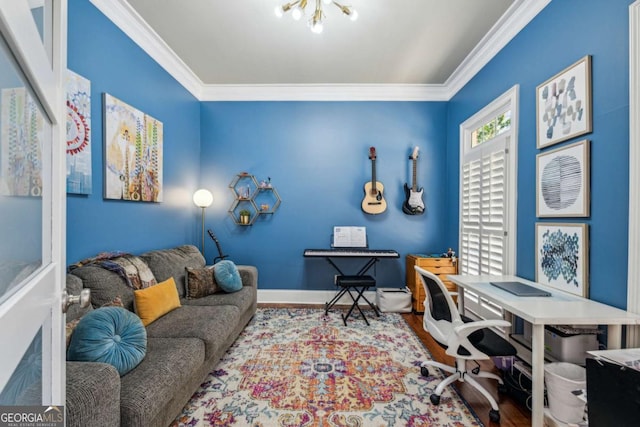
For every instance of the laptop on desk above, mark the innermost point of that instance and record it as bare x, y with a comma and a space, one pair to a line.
521, 289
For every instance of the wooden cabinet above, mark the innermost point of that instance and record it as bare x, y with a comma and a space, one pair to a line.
441, 267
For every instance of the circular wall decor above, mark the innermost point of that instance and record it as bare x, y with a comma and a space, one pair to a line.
77, 130
561, 182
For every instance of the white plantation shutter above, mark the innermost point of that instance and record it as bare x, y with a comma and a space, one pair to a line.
483, 220
483, 210
488, 197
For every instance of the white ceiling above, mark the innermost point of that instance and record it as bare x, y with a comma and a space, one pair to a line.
213, 45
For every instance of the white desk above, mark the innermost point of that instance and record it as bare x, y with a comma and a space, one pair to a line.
560, 309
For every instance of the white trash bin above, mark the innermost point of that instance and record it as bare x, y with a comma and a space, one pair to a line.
561, 379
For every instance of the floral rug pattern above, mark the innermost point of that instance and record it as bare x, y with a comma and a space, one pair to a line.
302, 368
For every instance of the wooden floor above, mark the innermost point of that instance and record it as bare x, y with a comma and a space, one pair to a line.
512, 414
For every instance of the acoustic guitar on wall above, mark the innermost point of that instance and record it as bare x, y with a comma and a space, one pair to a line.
413, 205
373, 202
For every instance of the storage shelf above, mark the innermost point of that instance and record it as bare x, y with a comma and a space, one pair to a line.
524, 349
258, 199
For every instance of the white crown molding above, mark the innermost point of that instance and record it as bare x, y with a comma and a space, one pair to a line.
276, 296
137, 29
324, 92
519, 14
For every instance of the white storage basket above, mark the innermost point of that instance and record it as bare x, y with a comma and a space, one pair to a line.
393, 300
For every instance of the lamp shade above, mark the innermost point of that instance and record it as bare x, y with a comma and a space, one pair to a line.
203, 198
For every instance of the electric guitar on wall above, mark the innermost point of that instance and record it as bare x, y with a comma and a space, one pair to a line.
413, 205
220, 257
373, 202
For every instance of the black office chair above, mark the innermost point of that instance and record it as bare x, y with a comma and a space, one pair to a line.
462, 338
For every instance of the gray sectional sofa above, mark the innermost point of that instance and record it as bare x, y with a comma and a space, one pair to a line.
183, 346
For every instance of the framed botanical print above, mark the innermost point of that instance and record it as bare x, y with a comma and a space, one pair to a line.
562, 181
562, 256
563, 104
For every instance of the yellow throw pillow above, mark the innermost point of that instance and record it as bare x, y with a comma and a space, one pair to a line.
155, 301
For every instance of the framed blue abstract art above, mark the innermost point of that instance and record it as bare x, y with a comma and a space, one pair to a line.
562, 256
563, 104
562, 181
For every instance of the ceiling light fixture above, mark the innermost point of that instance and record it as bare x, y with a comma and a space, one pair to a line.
315, 22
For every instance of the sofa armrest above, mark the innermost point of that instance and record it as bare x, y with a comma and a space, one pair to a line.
93, 395
249, 275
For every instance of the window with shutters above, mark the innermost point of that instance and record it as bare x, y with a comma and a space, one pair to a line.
488, 196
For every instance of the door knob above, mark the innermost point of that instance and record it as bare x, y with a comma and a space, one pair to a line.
83, 299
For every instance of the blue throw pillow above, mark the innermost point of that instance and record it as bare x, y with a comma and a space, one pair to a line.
111, 335
227, 276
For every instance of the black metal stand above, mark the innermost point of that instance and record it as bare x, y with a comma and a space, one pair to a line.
356, 284
359, 284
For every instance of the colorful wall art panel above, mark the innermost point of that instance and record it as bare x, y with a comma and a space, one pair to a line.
22, 127
562, 252
133, 153
563, 104
78, 134
562, 181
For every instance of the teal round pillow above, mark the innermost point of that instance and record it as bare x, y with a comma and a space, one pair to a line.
227, 276
111, 335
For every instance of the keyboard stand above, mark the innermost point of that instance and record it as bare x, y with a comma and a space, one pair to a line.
358, 284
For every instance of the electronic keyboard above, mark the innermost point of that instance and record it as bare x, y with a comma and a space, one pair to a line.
352, 252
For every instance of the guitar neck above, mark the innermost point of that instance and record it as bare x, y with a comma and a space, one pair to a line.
213, 237
373, 176
414, 186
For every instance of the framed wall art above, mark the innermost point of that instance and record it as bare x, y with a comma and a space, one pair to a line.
22, 131
562, 256
562, 181
78, 134
563, 104
133, 153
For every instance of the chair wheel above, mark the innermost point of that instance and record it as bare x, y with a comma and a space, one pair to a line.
494, 416
435, 399
424, 371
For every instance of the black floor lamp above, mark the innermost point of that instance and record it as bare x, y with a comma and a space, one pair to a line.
203, 199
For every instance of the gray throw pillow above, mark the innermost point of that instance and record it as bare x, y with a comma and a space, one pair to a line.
200, 282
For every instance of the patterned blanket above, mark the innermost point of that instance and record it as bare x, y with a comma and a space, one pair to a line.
133, 270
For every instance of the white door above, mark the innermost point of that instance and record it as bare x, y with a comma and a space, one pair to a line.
32, 201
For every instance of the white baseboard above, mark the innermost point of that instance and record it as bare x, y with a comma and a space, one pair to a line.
281, 296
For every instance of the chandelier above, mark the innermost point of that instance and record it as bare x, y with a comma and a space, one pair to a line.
297, 9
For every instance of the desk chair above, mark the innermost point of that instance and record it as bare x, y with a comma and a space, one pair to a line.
462, 338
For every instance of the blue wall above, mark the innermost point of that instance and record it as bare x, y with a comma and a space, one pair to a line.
561, 34
316, 154
102, 53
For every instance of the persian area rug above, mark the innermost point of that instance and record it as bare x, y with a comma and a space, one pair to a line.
300, 367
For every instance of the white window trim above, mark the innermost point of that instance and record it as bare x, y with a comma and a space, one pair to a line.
633, 273
506, 101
